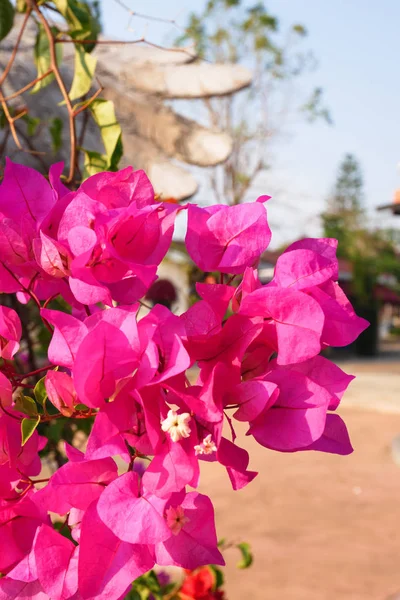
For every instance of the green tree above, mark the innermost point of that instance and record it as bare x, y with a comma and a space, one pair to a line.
345, 211
373, 252
231, 32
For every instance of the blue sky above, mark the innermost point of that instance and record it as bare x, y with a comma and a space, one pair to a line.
356, 44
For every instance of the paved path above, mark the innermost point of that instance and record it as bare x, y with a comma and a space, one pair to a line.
376, 387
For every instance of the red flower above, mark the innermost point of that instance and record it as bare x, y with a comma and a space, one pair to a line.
199, 585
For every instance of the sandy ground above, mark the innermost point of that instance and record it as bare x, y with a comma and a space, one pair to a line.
321, 527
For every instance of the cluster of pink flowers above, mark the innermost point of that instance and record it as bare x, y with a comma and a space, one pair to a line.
256, 347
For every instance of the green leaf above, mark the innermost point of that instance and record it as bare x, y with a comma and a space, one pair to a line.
26, 405
28, 427
85, 65
300, 29
116, 155
42, 57
31, 124
3, 119
219, 576
21, 6
247, 557
83, 25
63, 530
104, 114
40, 392
94, 163
81, 407
133, 595
6, 18
56, 126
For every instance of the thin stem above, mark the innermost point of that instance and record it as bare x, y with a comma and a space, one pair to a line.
45, 305
36, 153
61, 85
141, 40
231, 279
10, 120
78, 111
133, 13
32, 373
28, 86
17, 43
144, 304
24, 288
8, 413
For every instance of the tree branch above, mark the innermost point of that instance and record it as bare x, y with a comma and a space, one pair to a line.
61, 85
86, 105
141, 40
15, 50
28, 85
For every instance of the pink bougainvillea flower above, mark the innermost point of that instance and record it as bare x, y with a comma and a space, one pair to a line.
326, 374
298, 319
56, 563
107, 574
99, 249
14, 247
104, 352
307, 263
253, 397
163, 332
55, 173
143, 236
11, 589
227, 238
193, 540
174, 466
12, 453
217, 296
51, 256
77, 484
61, 392
236, 461
334, 439
298, 416
143, 521
5, 391
19, 522
10, 332
120, 189
68, 334
248, 284
227, 347
116, 423
341, 326
32, 196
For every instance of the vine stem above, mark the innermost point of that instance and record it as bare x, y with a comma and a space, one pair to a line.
28, 86
32, 373
17, 43
61, 85
8, 413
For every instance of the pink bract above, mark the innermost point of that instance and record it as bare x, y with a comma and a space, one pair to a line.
164, 391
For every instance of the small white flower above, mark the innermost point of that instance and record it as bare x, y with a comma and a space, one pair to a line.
206, 447
176, 425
